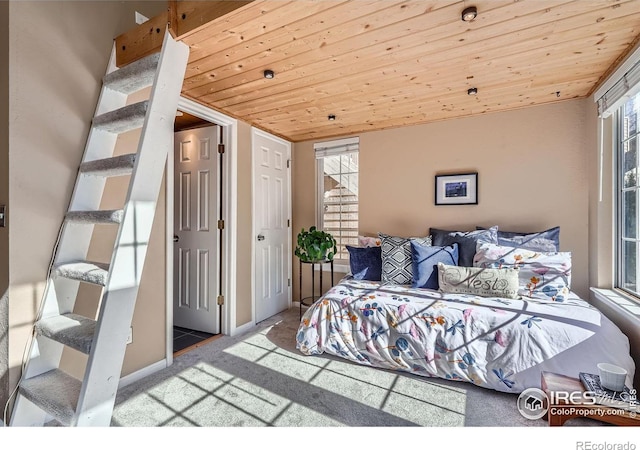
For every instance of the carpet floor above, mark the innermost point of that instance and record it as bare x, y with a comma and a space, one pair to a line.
259, 379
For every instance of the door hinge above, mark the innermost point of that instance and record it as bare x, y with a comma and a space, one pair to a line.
288, 223
289, 282
220, 148
220, 224
220, 299
288, 163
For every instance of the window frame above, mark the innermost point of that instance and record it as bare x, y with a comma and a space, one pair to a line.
619, 262
333, 148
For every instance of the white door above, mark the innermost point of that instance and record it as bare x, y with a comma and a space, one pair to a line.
271, 213
196, 237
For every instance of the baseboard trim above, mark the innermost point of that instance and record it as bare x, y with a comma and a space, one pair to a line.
142, 373
243, 328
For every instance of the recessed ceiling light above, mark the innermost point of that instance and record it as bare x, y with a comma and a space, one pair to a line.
469, 14
472, 91
268, 74
331, 117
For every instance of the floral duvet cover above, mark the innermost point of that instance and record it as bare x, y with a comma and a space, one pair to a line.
496, 343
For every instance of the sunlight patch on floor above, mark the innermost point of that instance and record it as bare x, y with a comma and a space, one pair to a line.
426, 414
401, 396
148, 412
299, 415
432, 393
204, 395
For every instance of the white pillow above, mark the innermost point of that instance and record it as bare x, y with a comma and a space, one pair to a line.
542, 275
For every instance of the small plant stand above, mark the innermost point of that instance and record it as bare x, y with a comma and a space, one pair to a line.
310, 300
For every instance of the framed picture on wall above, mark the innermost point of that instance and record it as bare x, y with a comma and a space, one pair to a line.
458, 189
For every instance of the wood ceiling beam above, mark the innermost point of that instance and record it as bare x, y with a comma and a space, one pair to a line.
143, 40
183, 18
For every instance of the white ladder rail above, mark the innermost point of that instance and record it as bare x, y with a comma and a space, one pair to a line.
116, 309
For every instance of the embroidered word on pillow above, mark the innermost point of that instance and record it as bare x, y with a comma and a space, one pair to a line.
478, 281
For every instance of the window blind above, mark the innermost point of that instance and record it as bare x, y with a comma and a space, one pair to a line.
341, 146
625, 87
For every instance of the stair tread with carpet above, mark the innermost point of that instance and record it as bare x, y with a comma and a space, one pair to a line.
86, 271
56, 392
122, 119
72, 330
110, 167
134, 76
113, 216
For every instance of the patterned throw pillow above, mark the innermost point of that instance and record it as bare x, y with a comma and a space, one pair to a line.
543, 275
396, 258
479, 281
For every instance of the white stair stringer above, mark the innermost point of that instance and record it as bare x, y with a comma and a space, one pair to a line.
45, 391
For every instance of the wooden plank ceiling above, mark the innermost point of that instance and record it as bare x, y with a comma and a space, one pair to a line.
377, 64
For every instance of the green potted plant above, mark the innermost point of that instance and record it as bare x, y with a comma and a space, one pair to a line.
315, 246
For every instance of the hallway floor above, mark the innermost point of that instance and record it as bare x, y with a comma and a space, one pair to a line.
184, 338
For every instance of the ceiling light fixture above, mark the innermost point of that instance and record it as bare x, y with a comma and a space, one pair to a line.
268, 74
472, 91
469, 14
331, 117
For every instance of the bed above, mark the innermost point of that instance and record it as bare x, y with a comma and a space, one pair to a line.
491, 341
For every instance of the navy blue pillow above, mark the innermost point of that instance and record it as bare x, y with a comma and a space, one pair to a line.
425, 261
365, 262
466, 240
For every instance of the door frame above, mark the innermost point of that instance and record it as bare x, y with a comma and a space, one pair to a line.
257, 132
230, 211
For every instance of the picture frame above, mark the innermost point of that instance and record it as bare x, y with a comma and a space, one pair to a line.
457, 189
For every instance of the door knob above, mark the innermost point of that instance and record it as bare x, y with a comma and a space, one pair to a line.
175, 238
261, 237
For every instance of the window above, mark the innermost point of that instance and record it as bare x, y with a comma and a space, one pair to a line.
619, 96
337, 177
628, 196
